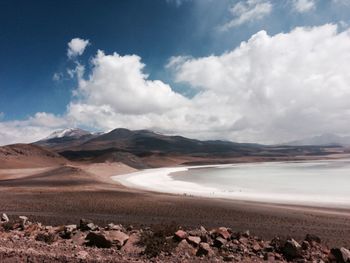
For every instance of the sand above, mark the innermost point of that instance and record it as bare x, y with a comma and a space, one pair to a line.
64, 194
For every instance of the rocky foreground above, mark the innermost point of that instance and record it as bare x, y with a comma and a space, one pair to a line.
24, 241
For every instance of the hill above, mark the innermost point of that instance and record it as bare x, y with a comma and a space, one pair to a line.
27, 155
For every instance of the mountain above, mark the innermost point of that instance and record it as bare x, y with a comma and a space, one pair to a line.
62, 139
327, 139
144, 148
27, 155
71, 132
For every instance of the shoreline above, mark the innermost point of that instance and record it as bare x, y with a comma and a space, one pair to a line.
161, 180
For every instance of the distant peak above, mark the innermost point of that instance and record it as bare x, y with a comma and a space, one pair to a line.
70, 132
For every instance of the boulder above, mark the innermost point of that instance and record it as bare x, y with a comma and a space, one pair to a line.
292, 249
180, 235
204, 250
340, 255
305, 245
4, 218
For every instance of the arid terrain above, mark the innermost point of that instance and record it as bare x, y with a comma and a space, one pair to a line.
48, 188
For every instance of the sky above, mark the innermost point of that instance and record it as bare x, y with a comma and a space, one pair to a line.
266, 71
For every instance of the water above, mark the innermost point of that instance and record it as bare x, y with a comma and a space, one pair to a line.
321, 183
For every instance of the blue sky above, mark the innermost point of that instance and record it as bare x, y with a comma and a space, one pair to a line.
34, 36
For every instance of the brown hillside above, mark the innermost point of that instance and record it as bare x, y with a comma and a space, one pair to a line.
28, 155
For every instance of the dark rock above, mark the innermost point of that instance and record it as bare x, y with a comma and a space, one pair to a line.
312, 238
87, 225
68, 231
292, 249
180, 235
204, 250
219, 242
340, 255
305, 245
98, 239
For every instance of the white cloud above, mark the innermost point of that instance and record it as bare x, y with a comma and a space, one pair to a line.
247, 11
342, 2
120, 83
30, 130
76, 47
274, 88
303, 6
269, 89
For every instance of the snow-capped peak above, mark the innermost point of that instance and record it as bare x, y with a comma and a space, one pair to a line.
71, 132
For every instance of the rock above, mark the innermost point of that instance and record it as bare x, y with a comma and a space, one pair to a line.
112, 226
305, 245
221, 231
132, 245
180, 235
68, 231
219, 242
256, 247
246, 233
312, 238
4, 218
117, 238
292, 249
229, 258
23, 220
204, 250
78, 238
185, 248
194, 240
87, 225
340, 255
98, 239
82, 255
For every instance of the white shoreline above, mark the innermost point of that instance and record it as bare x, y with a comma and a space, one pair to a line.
160, 180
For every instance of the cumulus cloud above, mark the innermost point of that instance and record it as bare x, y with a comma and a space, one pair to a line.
32, 129
120, 83
273, 88
76, 47
269, 89
247, 11
303, 6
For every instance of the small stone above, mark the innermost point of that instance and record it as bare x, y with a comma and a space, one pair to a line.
312, 238
184, 248
4, 218
23, 220
292, 249
305, 245
229, 258
98, 240
219, 242
340, 254
87, 225
180, 235
256, 248
194, 240
204, 250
